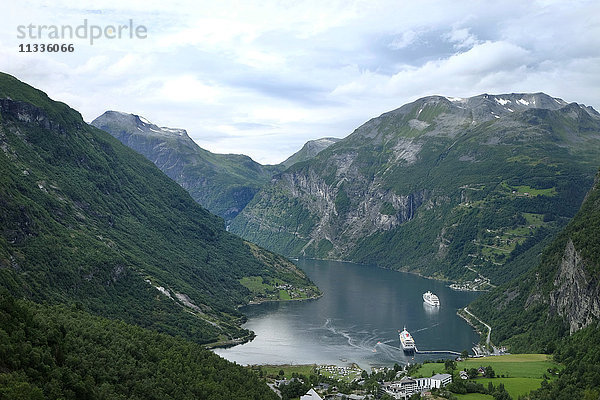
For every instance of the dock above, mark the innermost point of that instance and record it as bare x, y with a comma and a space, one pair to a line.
417, 351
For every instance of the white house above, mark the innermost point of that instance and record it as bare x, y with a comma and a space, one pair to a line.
407, 386
440, 380
311, 395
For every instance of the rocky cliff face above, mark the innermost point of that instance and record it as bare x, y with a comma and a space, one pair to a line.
434, 185
576, 294
558, 296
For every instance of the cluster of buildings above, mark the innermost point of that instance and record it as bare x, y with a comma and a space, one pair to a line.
408, 386
340, 372
312, 395
401, 389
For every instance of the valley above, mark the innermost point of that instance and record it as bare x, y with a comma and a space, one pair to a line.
465, 191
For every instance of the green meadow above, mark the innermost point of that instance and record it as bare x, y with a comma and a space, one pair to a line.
520, 373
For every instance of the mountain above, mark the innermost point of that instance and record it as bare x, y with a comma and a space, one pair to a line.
555, 306
447, 187
559, 296
223, 183
309, 150
84, 220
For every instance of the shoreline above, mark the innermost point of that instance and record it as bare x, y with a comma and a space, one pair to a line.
419, 274
377, 266
238, 341
256, 302
248, 338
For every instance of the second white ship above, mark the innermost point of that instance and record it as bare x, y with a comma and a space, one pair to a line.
431, 299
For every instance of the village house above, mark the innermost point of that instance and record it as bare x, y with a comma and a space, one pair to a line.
407, 386
311, 395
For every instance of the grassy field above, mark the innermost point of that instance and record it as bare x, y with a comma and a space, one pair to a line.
288, 370
511, 365
514, 386
534, 219
536, 192
255, 284
474, 396
271, 291
520, 373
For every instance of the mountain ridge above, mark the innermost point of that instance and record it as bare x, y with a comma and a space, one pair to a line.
223, 183
556, 298
309, 150
364, 196
87, 221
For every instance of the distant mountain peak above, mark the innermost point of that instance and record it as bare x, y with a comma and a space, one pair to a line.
223, 183
136, 124
310, 149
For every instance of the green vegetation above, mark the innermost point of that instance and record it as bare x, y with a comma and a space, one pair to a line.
84, 220
289, 371
298, 379
461, 189
223, 183
523, 320
511, 365
580, 379
284, 295
519, 374
387, 209
64, 353
516, 311
474, 396
514, 386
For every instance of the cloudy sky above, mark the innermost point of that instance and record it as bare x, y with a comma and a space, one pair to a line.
263, 77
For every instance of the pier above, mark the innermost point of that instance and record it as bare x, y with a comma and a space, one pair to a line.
417, 351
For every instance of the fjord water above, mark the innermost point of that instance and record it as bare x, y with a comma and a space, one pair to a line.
356, 320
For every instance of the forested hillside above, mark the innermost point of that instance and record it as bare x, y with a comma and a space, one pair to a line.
88, 221
223, 183
555, 306
61, 352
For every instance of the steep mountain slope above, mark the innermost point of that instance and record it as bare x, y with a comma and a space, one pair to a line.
555, 307
61, 353
86, 220
310, 150
223, 183
558, 297
436, 185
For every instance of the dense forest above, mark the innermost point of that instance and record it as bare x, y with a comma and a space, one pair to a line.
546, 311
523, 312
60, 352
89, 230
580, 379
85, 219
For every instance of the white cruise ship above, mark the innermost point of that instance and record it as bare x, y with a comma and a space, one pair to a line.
407, 341
431, 299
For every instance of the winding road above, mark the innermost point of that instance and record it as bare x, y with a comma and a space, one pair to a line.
487, 342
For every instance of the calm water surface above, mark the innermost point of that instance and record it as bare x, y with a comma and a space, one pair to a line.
356, 321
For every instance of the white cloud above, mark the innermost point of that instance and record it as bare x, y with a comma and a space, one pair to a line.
261, 78
403, 40
461, 38
188, 89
